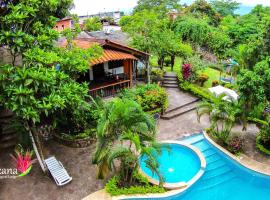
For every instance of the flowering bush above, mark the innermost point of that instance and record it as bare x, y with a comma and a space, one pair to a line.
186, 71
151, 97
202, 78
215, 83
22, 159
235, 144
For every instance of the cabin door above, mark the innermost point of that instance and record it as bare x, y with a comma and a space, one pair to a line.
98, 72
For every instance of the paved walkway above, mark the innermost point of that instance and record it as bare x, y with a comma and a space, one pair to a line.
178, 98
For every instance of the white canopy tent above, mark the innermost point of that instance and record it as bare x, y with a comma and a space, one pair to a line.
219, 90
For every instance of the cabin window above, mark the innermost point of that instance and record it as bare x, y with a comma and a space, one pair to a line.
115, 64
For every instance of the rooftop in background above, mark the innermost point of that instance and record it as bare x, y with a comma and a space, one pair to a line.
117, 36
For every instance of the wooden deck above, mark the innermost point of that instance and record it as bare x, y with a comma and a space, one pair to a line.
109, 89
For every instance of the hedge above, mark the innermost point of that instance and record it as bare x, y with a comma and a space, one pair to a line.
112, 188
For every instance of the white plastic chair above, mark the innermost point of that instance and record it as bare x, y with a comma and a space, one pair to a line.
57, 171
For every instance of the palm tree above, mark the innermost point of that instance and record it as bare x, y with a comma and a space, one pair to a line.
124, 131
221, 113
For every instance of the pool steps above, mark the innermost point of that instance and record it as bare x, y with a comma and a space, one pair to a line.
217, 171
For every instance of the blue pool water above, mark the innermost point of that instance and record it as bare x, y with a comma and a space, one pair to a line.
178, 164
224, 179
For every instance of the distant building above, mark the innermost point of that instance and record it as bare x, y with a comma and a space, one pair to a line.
63, 24
114, 15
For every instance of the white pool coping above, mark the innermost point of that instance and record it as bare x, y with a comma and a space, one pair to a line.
243, 159
179, 185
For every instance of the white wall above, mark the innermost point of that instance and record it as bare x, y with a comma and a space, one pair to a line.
118, 70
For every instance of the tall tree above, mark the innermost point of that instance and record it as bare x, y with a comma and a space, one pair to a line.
162, 5
42, 86
225, 7
28, 23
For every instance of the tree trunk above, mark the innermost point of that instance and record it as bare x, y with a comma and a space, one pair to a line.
37, 149
172, 62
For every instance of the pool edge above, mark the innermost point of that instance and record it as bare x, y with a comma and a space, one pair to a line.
175, 188
243, 160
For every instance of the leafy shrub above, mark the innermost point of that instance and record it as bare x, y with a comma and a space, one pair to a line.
196, 90
261, 147
167, 61
151, 97
215, 83
112, 188
202, 78
235, 144
88, 133
157, 75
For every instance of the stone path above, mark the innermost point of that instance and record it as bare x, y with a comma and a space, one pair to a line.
178, 98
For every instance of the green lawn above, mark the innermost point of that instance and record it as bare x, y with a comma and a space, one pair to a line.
213, 75
176, 68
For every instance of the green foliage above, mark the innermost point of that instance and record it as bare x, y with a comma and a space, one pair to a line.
225, 7
202, 78
151, 32
156, 75
123, 122
219, 42
151, 97
202, 9
92, 24
192, 29
112, 188
88, 133
222, 114
24, 23
160, 5
196, 90
263, 139
251, 89
34, 94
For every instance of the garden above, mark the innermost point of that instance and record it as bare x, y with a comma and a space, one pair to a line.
204, 45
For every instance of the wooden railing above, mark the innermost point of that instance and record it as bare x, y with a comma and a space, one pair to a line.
110, 89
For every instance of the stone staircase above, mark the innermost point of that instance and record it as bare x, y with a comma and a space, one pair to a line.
8, 137
180, 110
170, 80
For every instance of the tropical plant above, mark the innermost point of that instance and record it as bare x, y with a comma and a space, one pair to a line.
263, 139
186, 72
22, 159
222, 115
124, 132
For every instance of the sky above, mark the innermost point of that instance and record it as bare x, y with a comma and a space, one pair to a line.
84, 7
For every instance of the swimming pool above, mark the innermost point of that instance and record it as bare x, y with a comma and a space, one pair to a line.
224, 179
179, 163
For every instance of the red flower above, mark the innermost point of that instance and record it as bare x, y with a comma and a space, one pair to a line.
22, 159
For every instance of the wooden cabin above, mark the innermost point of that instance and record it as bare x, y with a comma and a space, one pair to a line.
118, 67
